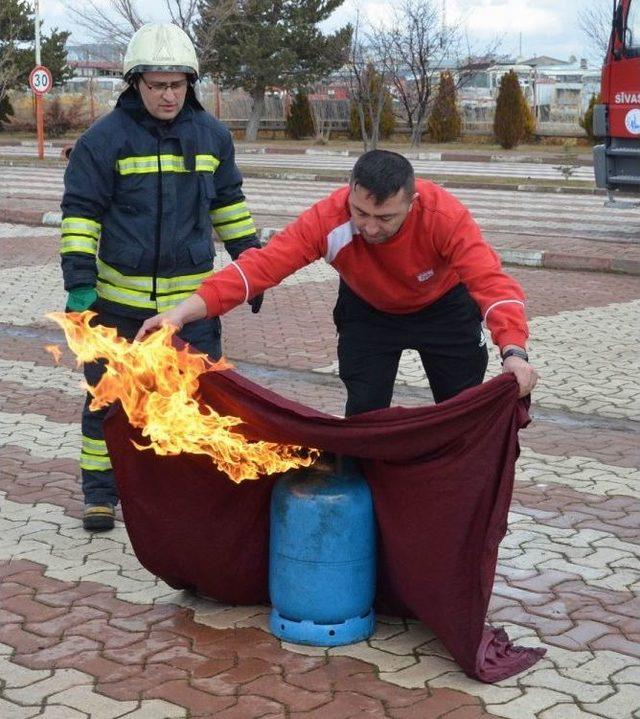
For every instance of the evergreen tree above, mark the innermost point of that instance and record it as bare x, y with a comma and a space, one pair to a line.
6, 110
300, 119
511, 121
259, 44
54, 55
586, 121
17, 51
529, 121
445, 123
373, 84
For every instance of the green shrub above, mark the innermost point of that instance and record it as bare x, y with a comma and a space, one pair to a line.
586, 121
513, 120
300, 119
445, 124
59, 120
529, 121
6, 111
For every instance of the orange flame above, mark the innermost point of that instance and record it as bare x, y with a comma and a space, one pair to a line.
54, 351
157, 385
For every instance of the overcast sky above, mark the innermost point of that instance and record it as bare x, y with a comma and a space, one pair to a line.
538, 27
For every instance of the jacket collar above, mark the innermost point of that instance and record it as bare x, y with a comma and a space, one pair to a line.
131, 103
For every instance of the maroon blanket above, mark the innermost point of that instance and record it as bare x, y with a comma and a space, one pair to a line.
441, 478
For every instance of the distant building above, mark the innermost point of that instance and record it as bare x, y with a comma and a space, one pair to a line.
546, 60
330, 91
557, 90
93, 60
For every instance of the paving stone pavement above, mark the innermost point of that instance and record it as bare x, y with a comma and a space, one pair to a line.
85, 631
549, 230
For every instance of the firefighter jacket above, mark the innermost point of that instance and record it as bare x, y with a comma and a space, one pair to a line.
438, 246
141, 196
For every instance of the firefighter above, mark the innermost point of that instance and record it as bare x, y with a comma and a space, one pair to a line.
143, 189
415, 273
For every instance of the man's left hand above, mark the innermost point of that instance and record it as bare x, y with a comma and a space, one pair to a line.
256, 303
525, 374
235, 248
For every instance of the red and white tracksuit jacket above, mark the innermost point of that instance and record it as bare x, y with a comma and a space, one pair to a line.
438, 246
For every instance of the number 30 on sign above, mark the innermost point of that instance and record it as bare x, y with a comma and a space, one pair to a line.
40, 80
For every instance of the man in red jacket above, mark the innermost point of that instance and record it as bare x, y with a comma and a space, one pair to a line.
415, 273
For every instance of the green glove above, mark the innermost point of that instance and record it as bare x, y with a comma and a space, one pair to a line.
81, 298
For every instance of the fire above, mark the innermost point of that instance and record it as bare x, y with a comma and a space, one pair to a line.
157, 385
54, 351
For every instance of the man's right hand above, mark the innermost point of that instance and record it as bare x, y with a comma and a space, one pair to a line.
170, 318
190, 310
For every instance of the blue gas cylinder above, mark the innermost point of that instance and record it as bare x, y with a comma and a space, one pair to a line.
322, 565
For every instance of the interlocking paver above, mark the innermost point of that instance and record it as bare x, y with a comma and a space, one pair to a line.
625, 702
568, 575
9, 710
96, 705
566, 711
345, 704
61, 712
15, 676
579, 690
38, 691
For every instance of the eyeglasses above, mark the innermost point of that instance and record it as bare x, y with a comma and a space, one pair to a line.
162, 87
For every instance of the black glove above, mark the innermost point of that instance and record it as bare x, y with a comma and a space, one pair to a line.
256, 303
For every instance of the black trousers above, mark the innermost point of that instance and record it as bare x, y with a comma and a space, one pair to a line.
447, 334
98, 483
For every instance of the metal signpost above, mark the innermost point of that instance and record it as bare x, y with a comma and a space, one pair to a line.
40, 81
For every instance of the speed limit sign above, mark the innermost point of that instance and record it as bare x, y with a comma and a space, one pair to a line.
40, 79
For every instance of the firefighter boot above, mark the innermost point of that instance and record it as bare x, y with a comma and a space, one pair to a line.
98, 517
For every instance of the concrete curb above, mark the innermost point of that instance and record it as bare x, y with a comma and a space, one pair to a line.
343, 177
417, 155
522, 258
33, 143
432, 156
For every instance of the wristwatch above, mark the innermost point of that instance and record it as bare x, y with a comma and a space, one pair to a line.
515, 352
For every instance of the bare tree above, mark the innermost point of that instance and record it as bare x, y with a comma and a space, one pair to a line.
16, 30
113, 23
414, 49
367, 92
595, 23
7, 70
321, 122
183, 13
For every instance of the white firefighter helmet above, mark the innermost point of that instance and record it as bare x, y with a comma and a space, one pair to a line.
161, 47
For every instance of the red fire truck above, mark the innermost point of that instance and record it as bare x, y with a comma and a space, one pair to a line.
617, 119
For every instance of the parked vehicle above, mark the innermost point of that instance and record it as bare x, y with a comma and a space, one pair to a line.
617, 118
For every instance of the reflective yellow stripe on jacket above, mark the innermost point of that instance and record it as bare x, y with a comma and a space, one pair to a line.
79, 234
135, 290
233, 221
168, 163
94, 454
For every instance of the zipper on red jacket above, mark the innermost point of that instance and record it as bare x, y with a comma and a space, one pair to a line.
156, 257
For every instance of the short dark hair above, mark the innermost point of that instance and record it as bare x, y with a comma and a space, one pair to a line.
382, 173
